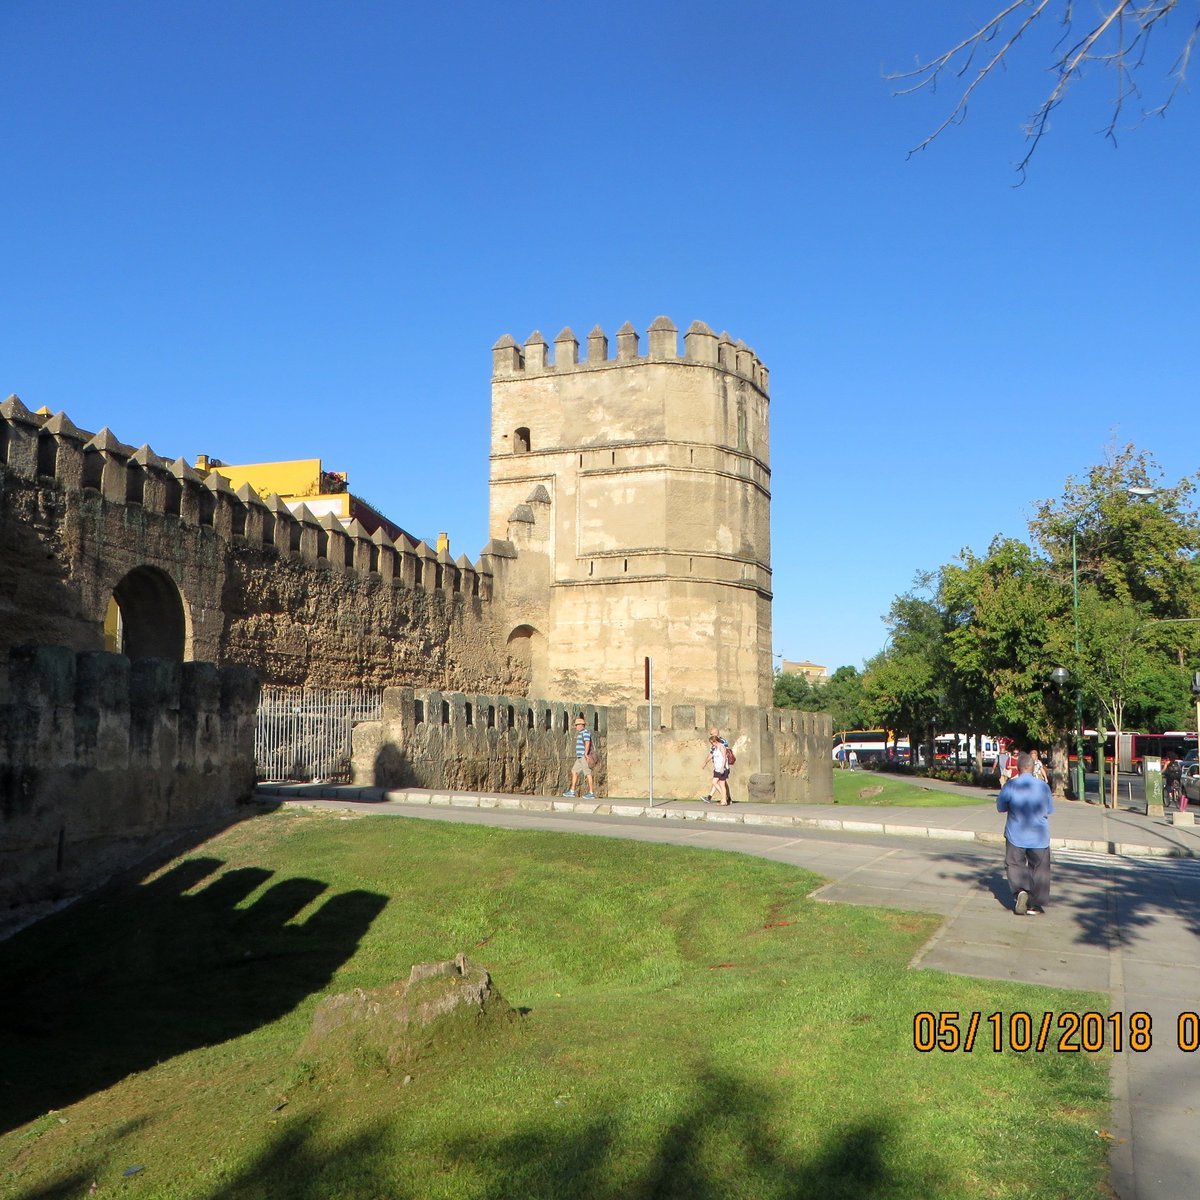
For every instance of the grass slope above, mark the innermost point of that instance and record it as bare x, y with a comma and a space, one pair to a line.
889, 790
693, 1026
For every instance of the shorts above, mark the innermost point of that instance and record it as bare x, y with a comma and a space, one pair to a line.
582, 767
721, 775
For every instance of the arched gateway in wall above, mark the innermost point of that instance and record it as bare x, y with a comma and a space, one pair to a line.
146, 617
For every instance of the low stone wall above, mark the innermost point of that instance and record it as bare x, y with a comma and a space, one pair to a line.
782, 754
103, 760
432, 739
429, 739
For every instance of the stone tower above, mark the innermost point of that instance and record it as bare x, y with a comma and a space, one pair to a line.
630, 515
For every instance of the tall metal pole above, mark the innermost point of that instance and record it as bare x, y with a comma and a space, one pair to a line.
1080, 778
650, 724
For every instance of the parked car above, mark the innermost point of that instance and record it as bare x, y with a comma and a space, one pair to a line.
1191, 781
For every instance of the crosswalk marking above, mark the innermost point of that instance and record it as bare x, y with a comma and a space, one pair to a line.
1187, 867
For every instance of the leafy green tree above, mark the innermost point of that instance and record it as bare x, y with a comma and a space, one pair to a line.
792, 690
1008, 621
840, 696
904, 687
1136, 537
1114, 662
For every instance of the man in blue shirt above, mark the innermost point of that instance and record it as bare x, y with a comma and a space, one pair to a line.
584, 755
1028, 803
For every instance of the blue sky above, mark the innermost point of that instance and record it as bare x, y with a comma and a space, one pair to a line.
295, 229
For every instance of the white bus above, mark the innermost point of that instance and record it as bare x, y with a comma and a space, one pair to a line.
960, 748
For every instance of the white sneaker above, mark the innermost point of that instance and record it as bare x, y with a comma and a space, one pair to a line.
1022, 905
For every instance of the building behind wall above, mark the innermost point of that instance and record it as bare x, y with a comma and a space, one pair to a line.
633, 496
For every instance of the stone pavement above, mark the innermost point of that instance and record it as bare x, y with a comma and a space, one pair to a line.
1124, 917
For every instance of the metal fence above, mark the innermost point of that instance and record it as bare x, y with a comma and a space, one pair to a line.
304, 734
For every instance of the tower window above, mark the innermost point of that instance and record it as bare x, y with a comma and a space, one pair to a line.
521, 440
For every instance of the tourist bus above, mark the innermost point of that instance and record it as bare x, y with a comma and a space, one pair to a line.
870, 745
1133, 747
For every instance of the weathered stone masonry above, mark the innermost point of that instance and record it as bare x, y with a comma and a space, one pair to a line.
102, 760
301, 601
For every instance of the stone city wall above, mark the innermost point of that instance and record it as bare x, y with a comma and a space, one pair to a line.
493, 743
432, 739
103, 760
304, 602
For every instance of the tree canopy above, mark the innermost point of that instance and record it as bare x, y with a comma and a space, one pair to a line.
972, 647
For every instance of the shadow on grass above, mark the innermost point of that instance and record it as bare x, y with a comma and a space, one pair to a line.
715, 1146
139, 974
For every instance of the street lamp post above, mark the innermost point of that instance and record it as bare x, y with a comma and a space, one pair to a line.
1061, 677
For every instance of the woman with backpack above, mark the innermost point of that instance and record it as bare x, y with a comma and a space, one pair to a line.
722, 758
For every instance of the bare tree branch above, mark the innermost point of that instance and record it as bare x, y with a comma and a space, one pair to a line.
1118, 38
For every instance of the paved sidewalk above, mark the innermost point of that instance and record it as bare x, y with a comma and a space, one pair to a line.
1124, 917
1075, 826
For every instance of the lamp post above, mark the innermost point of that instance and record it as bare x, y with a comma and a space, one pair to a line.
1061, 677
1080, 777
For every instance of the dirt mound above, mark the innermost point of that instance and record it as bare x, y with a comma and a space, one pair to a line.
443, 1006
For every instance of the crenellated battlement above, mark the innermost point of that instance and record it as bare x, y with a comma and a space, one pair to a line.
701, 347
52, 451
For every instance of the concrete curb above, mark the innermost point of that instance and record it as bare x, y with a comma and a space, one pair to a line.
297, 793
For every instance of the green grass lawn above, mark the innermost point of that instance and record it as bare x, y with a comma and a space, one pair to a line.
849, 788
692, 1025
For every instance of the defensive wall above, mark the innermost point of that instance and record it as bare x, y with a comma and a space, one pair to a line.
495, 743
630, 516
202, 572
103, 760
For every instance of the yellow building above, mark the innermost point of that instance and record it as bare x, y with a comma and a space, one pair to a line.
303, 481
810, 670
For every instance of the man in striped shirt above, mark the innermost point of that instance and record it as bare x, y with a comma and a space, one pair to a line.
583, 755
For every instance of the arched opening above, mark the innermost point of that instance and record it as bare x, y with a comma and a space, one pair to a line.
149, 621
527, 651
521, 440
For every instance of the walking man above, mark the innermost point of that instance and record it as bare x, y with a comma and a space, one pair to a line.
1028, 803
584, 758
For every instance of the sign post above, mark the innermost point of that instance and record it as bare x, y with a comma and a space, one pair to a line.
650, 724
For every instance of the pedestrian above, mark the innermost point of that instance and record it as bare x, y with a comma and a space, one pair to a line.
718, 755
1006, 764
585, 758
1028, 804
1039, 767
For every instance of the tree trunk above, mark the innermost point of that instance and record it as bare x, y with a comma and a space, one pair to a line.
1060, 766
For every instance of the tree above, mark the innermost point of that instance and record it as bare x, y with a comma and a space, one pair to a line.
1008, 632
904, 687
840, 696
792, 690
1114, 662
1135, 537
1116, 35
